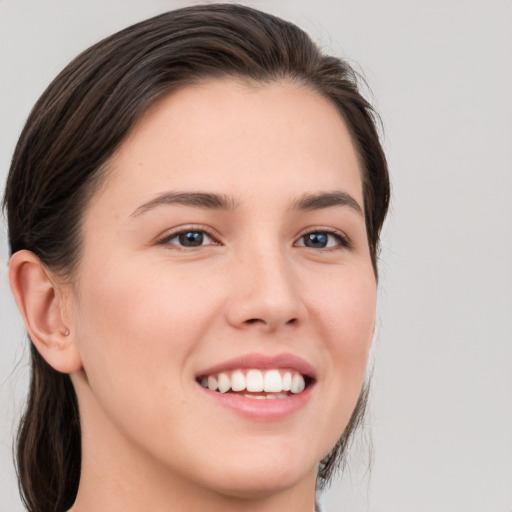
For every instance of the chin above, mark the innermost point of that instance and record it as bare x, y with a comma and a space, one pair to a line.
264, 480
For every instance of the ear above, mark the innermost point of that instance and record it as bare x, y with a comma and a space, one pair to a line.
43, 304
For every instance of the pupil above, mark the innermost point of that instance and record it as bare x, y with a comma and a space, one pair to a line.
316, 240
191, 239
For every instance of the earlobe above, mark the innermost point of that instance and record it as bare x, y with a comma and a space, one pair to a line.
39, 299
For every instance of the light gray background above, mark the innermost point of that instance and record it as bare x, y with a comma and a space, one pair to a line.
441, 76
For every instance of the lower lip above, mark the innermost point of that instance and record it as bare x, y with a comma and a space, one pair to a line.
262, 409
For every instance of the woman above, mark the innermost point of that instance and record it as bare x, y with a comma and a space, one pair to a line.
194, 209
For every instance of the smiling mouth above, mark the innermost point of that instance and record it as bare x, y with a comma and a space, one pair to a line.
257, 384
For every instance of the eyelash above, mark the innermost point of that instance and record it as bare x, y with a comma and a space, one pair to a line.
190, 229
342, 241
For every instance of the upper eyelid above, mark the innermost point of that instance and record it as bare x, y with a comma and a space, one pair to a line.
323, 229
168, 235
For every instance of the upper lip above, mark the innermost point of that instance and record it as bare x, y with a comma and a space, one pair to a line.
262, 362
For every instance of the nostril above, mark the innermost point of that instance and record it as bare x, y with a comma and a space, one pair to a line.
255, 321
252, 321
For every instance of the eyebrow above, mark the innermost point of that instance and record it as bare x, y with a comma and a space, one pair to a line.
196, 199
213, 201
327, 200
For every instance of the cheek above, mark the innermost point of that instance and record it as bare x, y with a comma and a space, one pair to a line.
138, 326
347, 310
345, 301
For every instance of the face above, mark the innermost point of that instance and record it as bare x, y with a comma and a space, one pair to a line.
227, 248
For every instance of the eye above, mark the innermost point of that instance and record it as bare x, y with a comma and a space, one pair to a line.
322, 240
189, 238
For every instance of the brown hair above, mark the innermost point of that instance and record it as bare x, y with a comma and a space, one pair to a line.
77, 125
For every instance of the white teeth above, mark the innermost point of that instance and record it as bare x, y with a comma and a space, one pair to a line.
254, 381
212, 383
273, 381
287, 381
237, 381
298, 383
224, 383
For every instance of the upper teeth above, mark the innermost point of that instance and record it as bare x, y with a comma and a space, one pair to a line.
271, 381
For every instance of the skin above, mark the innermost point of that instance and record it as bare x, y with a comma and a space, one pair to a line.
146, 314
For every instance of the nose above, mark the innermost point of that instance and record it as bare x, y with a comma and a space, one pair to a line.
264, 293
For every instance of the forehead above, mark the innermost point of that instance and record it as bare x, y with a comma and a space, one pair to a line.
231, 137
